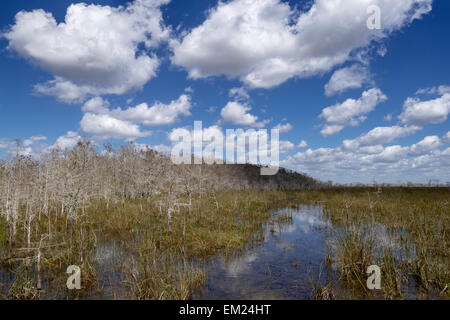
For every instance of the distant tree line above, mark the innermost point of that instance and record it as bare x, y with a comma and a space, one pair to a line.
63, 183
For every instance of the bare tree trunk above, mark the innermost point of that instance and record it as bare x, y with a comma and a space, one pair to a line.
38, 267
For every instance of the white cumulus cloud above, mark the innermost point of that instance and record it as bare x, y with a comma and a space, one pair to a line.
95, 51
351, 112
446, 138
103, 126
66, 142
239, 114
102, 123
302, 144
418, 112
380, 136
284, 127
353, 77
266, 42
435, 90
158, 114
393, 163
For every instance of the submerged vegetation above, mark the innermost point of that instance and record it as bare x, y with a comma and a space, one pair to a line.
67, 209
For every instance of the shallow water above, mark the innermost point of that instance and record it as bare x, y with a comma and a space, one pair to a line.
283, 266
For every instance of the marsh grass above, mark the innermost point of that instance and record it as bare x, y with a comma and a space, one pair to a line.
322, 292
163, 256
3, 236
355, 256
168, 259
392, 277
22, 287
415, 246
322, 289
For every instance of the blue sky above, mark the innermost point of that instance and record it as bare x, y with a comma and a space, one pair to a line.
355, 104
